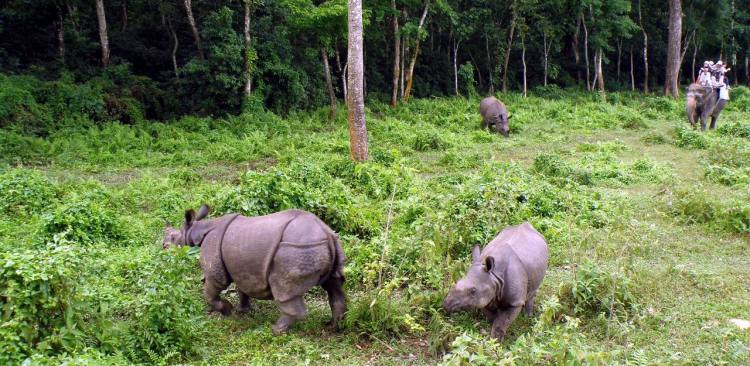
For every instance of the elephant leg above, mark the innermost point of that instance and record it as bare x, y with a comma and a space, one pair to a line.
291, 311
503, 321
336, 299
713, 122
528, 308
245, 305
212, 291
704, 117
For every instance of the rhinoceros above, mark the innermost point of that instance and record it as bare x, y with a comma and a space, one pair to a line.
278, 257
493, 112
503, 277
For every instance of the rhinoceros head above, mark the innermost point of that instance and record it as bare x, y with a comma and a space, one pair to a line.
177, 237
172, 237
478, 288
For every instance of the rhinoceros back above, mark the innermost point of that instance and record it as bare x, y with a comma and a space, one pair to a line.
529, 246
254, 245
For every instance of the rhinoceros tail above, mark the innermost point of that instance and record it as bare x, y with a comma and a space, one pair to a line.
339, 260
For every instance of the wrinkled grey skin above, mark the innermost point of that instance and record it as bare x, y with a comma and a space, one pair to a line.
701, 103
493, 111
503, 277
273, 257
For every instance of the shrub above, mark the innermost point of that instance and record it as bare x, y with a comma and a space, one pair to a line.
84, 221
735, 129
692, 206
690, 139
654, 138
596, 291
426, 140
24, 191
43, 309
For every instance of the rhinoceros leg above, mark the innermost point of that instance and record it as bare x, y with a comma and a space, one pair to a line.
212, 290
245, 306
336, 299
528, 308
503, 320
291, 311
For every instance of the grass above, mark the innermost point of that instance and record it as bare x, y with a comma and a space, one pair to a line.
649, 220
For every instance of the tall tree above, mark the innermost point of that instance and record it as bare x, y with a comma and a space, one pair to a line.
671, 82
248, 54
194, 28
645, 49
416, 38
103, 38
396, 54
355, 100
508, 48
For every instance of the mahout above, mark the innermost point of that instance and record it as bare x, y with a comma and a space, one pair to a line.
278, 257
503, 277
493, 112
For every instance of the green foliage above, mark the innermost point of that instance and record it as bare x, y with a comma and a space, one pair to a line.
426, 140
466, 77
25, 191
595, 291
84, 221
684, 137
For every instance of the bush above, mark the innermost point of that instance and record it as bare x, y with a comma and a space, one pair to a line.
25, 191
595, 291
43, 309
85, 222
690, 139
426, 140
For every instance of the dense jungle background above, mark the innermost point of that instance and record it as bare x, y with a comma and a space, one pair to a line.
116, 116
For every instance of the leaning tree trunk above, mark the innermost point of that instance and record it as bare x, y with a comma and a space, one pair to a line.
523, 60
507, 52
546, 55
124, 15
248, 47
489, 63
413, 62
194, 28
576, 53
619, 56
455, 66
329, 84
396, 55
175, 42
355, 100
599, 70
103, 38
747, 70
671, 84
586, 53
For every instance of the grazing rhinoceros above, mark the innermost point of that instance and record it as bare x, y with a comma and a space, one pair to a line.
278, 256
503, 277
493, 111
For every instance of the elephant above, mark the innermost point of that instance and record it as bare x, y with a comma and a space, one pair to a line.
278, 257
493, 111
503, 277
701, 103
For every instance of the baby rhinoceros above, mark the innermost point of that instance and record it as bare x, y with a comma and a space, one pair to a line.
273, 257
503, 277
493, 112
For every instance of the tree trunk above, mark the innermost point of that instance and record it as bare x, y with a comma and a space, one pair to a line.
523, 60
489, 63
345, 79
175, 42
586, 52
329, 83
103, 38
671, 84
685, 46
194, 28
596, 72
546, 55
355, 100
479, 72
403, 69
124, 15
507, 52
60, 27
248, 47
396, 55
695, 55
576, 53
632, 73
455, 66
747, 70
413, 62
599, 70
645, 50
619, 56
734, 68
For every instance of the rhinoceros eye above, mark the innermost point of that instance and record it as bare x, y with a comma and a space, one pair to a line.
473, 291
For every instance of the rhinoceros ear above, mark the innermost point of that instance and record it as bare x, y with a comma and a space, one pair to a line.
203, 212
489, 263
475, 254
189, 217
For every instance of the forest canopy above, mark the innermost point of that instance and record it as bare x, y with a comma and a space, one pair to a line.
165, 59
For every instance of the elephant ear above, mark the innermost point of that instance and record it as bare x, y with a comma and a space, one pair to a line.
475, 252
203, 212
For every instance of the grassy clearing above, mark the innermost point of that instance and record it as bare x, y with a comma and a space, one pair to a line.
647, 223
